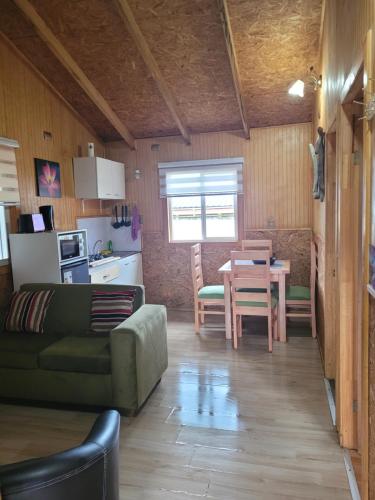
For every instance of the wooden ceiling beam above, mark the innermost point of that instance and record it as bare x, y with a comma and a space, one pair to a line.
148, 58
228, 34
70, 65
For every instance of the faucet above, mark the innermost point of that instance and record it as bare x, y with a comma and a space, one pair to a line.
97, 242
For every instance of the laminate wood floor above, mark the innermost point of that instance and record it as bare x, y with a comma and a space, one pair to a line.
221, 425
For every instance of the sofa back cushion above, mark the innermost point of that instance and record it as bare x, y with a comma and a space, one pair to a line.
110, 308
27, 311
70, 307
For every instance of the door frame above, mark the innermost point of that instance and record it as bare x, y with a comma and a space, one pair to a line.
352, 424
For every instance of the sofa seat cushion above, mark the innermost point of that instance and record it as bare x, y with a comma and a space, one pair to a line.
21, 350
295, 292
77, 354
211, 292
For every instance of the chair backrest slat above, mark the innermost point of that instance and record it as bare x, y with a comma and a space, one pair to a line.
313, 266
257, 245
196, 267
247, 274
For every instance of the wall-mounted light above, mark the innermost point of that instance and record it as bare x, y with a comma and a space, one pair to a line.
298, 87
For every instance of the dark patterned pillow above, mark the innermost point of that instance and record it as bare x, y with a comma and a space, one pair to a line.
27, 311
110, 308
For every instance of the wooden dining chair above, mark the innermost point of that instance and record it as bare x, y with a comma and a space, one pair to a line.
251, 291
204, 296
300, 300
257, 245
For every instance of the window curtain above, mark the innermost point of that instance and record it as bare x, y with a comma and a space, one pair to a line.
194, 178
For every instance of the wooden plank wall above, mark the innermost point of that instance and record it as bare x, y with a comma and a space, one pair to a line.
28, 107
277, 173
346, 24
277, 193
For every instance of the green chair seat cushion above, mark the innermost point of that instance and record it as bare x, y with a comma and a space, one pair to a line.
21, 350
78, 354
251, 303
296, 292
211, 292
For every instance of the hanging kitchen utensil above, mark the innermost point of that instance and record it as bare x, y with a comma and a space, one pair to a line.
122, 223
116, 224
127, 221
136, 223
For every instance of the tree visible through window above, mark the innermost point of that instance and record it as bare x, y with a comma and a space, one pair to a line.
4, 251
203, 218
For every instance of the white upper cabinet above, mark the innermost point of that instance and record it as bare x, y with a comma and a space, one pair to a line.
98, 178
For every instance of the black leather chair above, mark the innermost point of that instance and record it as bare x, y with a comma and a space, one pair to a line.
89, 471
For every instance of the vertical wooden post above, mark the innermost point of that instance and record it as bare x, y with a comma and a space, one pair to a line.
330, 260
345, 365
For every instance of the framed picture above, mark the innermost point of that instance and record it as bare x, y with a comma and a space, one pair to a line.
47, 178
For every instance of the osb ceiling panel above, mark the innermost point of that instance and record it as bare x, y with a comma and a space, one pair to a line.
94, 35
276, 42
186, 38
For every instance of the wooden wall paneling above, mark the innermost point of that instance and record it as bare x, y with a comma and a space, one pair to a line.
28, 107
367, 442
266, 186
277, 173
279, 169
344, 31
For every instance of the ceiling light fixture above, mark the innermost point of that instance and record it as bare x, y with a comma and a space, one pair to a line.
298, 87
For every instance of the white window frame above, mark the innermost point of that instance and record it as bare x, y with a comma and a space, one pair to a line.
205, 239
3, 236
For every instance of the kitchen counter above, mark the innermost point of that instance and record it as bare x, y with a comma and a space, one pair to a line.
126, 269
122, 255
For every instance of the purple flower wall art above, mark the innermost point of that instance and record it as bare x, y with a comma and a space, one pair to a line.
48, 178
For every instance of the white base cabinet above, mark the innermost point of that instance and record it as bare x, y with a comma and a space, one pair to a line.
131, 272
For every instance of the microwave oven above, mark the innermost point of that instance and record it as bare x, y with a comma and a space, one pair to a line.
72, 245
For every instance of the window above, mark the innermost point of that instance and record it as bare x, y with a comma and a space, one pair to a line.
202, 198
201, 218
4, 250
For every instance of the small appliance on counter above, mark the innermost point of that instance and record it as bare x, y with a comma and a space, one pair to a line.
48, 217
31, 223
49, 257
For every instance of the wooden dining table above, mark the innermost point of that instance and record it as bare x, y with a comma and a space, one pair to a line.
279, 270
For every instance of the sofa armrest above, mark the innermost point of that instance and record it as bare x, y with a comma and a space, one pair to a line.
139, 355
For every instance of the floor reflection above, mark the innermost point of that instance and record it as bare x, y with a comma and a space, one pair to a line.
203, 402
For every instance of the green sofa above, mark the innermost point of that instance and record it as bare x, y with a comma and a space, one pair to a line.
69, 364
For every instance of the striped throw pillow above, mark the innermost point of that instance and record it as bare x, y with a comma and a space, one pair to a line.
109, 309
27, 311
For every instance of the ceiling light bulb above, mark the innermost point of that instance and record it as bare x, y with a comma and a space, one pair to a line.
297, 88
